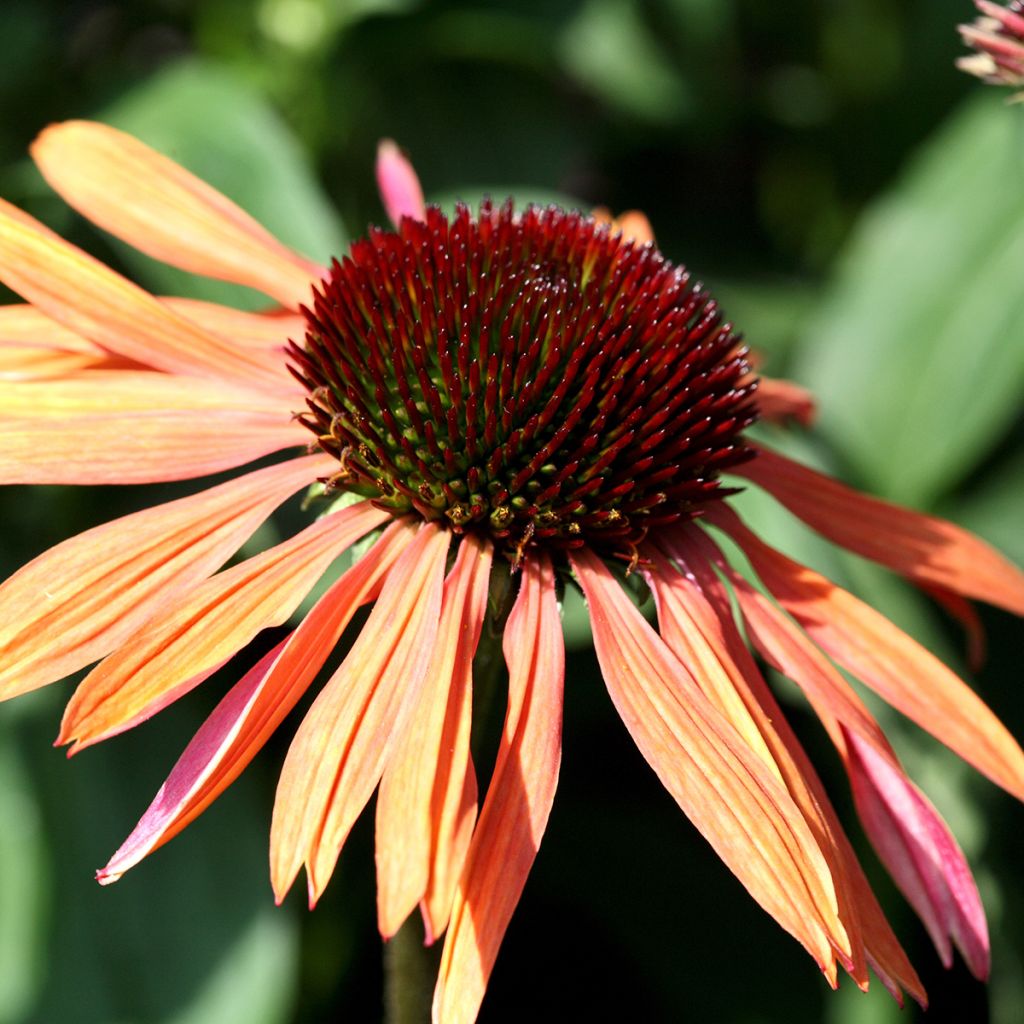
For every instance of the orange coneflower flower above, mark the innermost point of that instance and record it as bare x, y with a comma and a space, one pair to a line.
506, 403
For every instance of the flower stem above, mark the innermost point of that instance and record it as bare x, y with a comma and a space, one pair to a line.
409, 972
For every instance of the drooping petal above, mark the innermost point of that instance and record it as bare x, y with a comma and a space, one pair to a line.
921, 854
927, 550
93, 301
729, 794
158, 207
78, 601
883, 657
519, 798
254, 707
399, 185
967, 615
340, 750
424, 812
709, 614
178, 650
34, 347
907, 831
780, 400
135, 426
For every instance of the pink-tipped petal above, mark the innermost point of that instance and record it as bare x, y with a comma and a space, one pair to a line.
179, 649
399, 185
81, 599
921, 854
929, 551
338, 755
158, 207
708, 607
424, 819
883, 657
254, 707
519, 798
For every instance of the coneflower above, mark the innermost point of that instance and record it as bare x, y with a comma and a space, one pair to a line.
499, 405
998, 39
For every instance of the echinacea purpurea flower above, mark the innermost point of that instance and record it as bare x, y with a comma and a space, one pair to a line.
504, 400
997, 37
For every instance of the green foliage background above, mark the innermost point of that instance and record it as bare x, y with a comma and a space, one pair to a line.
857, 206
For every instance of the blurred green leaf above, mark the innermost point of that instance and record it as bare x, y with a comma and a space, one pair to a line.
611, 51
917, 354
191, 935
576, 620
225, 132
23, 885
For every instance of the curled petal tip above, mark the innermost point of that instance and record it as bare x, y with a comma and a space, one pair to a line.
399, 185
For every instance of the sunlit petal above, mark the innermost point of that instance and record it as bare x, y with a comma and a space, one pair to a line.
179, 649
158, 207
518, 803
339, 752
882, 656
135, 426
927, 550
736, 802
81, 599
424, 816
93, 301
254, 707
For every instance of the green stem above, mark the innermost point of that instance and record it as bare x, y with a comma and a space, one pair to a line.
410, 969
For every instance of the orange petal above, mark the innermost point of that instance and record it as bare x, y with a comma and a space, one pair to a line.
632, 225
269, 331
779, 400
158, 207
709, 610
340, 750
424, 819
910, 836
398, 184
696, 632
882, 656
180, 648
739, 806
34, 347
84, 597
519, 798
135, 426
93, 301
254, 707
927, 550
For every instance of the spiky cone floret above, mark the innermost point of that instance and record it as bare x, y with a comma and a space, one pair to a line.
508, 401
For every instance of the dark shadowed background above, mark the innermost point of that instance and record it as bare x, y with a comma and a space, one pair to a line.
856, 205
